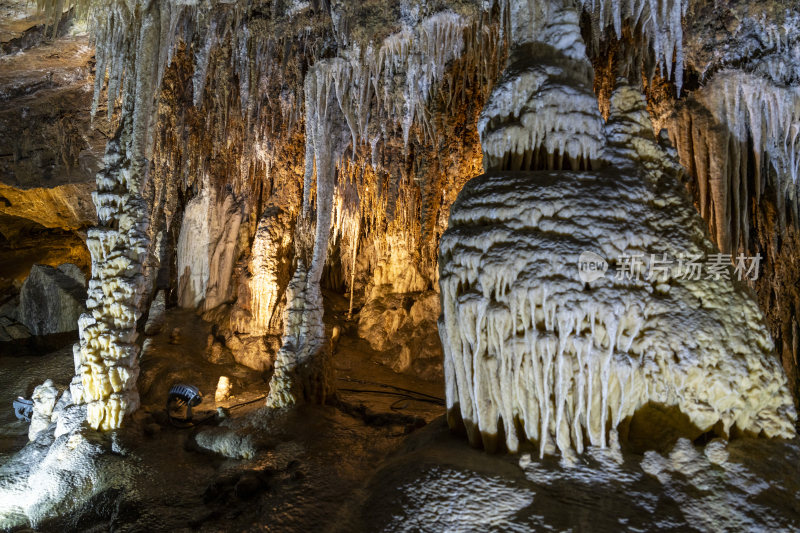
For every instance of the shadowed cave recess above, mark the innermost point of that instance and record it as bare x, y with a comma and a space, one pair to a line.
420, 266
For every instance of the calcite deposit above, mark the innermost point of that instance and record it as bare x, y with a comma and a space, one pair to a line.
534, 348
571, 224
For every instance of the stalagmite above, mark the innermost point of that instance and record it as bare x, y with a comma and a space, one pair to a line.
526, 125
106, 358
535, 351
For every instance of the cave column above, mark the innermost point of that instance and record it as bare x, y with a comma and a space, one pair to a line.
107, 355
302, 366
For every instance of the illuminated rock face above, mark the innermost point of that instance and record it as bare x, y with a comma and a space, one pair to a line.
533, 350
207, 248
270, 271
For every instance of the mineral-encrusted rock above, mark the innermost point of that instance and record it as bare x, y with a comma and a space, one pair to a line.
207, 248
224, 388
52, 299
44, 401
403, 327
270, 270
532, 343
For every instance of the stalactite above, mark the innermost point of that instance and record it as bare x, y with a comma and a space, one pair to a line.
734, 118
658, 26
347, 215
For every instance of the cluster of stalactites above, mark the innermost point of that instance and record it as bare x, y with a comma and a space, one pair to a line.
340, 96
366, 83
743, 122
764, 41
542, 114
657, 24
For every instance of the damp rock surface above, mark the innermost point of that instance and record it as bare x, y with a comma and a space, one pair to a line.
402, 327
52, 299
437, 484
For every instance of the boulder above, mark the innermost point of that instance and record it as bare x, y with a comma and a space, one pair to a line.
218, 354
52, 299
11, 330
256, 352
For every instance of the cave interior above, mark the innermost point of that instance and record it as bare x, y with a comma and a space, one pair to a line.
451, 265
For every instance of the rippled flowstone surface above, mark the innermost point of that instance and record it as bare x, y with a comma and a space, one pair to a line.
439, 484
535, 348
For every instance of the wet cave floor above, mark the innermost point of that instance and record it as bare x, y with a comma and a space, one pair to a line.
306, 465
377, 461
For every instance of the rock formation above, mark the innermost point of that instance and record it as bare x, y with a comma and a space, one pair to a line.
263, 189
52, 299
529, 343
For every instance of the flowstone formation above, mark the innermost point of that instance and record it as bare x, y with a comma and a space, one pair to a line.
542, 113
535, 351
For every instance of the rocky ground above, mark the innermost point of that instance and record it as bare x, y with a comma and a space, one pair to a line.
285, 472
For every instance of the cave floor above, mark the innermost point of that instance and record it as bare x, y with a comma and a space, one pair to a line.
306, 464
378, 462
